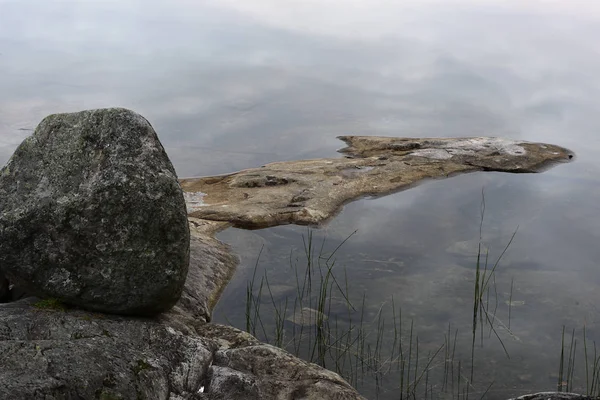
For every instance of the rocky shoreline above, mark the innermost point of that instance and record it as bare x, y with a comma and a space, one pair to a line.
93, 218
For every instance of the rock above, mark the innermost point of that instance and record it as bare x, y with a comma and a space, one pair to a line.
93, 215
267, 372
212, 265
307, 317
310, 192
55, 354
554, 396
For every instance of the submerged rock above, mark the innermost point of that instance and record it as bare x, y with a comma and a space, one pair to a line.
92, 214
307, 317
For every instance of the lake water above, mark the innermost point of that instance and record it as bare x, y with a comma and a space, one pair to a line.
230, 85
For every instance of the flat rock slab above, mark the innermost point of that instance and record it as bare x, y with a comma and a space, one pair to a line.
92, 214
310, 192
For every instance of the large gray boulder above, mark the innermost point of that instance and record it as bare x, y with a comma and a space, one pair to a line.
92, 214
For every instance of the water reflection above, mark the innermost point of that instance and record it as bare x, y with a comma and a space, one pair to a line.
230, 85
225, 75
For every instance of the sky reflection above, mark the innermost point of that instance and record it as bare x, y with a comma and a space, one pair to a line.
280, 82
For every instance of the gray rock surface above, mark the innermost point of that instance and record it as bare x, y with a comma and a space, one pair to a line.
56, 354
60, 353
554, 396
92, 214
212, 265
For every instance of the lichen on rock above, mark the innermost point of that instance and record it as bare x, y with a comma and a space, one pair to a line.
92, 214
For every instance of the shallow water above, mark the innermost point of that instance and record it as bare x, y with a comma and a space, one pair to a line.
419, 247
230, 85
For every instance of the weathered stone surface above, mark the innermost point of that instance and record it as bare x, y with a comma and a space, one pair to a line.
554, 396
212, 265
312, 191
55, 354
59, 354
266, 372
92, 214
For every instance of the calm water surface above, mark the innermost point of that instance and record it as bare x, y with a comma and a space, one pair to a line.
230, 85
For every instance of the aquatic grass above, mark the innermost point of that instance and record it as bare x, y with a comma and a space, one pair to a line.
594, 388
567, 362
487, 390
482, 287
565, 379
449, 355
512, 282
347, 342
280, 315
251, 301
571, 363
357, 347
592, 382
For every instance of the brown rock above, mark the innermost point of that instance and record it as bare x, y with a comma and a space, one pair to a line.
310, 192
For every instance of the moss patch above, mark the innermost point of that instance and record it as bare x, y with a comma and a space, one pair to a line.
141, 365
50, 304
106, 394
